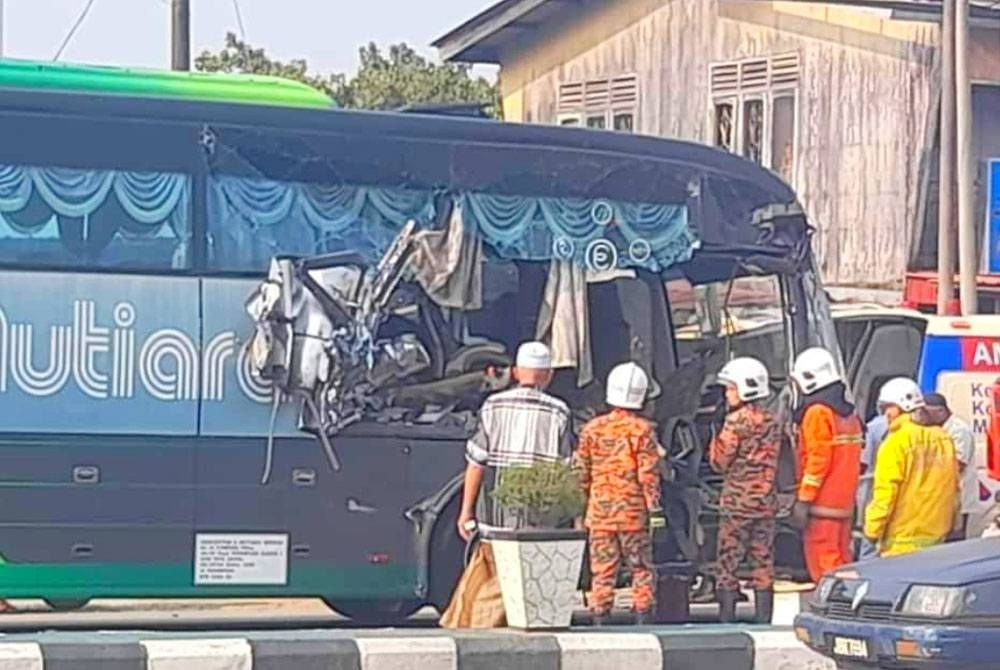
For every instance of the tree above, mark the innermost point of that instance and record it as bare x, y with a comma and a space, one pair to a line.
392, 80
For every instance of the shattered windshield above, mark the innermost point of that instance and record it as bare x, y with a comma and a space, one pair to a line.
722, 320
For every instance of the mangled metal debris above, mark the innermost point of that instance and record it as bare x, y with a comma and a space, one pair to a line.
317, 340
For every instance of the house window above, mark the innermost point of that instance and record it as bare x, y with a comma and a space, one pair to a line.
624, 122
753, 130
783, 134
754, 110
600, 103
724, 125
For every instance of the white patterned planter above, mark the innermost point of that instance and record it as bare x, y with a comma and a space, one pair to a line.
539, 573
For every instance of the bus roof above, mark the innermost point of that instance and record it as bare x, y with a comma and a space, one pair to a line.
204, 86
734, 206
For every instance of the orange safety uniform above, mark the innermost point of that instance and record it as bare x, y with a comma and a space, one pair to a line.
993, 434
830, 462
618, 465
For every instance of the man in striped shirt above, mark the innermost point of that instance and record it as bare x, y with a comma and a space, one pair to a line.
518, 427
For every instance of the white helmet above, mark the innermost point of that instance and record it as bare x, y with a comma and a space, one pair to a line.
815, 369
627, 386
903, 393
748, 375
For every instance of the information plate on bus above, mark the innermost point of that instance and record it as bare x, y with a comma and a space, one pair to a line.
237, 559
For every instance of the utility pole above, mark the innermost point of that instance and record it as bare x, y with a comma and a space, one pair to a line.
946, 162
180, 35
967, 264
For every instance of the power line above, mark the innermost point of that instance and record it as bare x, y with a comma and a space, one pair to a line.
72, 31
239, 19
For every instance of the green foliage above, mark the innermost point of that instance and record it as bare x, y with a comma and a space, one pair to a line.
383, 81
544, 495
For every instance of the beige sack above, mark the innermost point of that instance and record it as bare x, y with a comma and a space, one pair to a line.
477, 602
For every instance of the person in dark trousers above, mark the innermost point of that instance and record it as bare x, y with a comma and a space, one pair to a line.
746, 453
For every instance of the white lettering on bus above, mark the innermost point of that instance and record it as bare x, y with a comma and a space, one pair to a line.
987, 354
167, 363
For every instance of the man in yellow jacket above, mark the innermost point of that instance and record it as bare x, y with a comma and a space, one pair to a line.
915, 497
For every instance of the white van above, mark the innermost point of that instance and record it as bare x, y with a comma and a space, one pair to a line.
958, 357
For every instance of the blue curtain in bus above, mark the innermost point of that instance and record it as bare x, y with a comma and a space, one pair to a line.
104, 218
598, 234
149, 198
251, 220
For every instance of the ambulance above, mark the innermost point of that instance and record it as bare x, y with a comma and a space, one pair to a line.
958, 357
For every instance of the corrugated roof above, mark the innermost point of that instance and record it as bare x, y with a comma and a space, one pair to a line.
485, 37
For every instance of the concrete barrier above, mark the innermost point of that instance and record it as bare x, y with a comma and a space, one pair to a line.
779, 650
680, 648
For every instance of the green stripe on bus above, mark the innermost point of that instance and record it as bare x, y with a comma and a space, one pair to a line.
215, 87
96, 580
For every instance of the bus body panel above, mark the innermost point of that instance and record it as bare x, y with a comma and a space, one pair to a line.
95, 512
81, 350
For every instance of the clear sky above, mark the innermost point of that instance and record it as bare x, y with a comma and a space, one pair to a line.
327, 33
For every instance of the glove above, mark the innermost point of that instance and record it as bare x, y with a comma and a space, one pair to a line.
800, 514
656, 520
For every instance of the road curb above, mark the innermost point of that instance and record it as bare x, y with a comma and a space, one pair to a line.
682, 648
779, 650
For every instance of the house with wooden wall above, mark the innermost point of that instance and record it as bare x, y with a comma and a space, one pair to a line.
840, 97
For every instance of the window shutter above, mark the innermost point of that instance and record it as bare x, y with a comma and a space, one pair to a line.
753, 74
570, 97
785, 70
597, 94
625, 91
725, 78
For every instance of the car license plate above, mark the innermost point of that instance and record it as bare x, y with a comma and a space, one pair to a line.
851, 647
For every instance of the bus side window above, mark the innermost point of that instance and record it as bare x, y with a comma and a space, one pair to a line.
94, 219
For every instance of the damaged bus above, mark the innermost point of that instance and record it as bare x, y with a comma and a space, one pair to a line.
243, 341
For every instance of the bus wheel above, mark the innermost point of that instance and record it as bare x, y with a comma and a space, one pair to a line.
376, 612
66, 605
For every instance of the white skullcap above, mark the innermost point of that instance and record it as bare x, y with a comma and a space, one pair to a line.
534, 356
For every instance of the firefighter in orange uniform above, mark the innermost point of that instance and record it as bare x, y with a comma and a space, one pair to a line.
617, 460
831, 438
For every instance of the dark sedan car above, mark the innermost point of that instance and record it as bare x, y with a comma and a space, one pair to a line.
938, 608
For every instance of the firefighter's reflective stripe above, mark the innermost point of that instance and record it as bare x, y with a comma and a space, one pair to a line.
812, 480
830, 447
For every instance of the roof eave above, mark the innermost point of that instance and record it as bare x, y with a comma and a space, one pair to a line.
463, 44
468, 43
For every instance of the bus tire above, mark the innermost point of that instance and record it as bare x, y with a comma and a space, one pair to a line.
66, 604
376, 612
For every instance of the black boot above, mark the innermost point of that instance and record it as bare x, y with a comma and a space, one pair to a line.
764, 603
727, 605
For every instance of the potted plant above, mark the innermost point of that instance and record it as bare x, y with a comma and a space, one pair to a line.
539, 564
